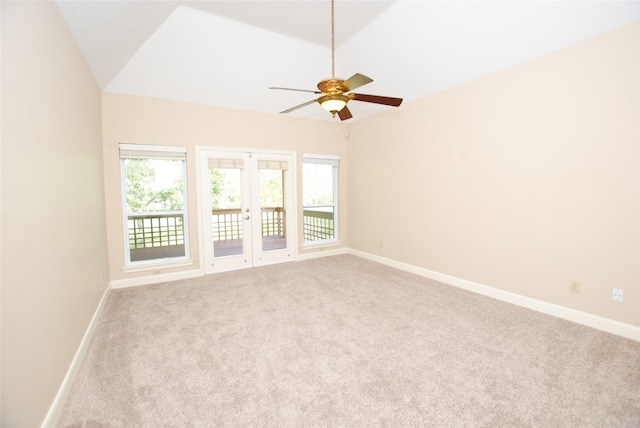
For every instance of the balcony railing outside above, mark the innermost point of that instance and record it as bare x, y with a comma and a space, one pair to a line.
318, 224
273, 221
227, 223
153, 236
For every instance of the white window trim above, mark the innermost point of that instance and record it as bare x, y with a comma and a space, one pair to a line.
153, 152
335, 162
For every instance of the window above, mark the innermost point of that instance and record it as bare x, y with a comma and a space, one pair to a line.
154, 203
320, 198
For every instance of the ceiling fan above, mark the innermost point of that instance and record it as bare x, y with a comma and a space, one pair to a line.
335, 92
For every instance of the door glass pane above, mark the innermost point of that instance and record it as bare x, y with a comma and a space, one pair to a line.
226, 213
272, 209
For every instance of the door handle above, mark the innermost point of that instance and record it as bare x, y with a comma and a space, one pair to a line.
247, 218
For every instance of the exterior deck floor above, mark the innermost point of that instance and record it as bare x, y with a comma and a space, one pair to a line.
233, 247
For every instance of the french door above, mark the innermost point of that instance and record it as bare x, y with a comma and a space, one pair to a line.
248, 211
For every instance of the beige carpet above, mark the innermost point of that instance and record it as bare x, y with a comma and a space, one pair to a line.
344, 342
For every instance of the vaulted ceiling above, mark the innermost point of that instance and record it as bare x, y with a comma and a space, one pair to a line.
228, 53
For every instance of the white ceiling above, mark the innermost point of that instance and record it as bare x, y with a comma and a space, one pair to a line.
228, 53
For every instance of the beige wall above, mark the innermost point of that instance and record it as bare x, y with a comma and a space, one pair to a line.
523, 181
141, 120
53, 228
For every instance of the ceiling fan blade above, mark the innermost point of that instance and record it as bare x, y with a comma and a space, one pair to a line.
355, 81
298, 106
293, 89
344, 114
388, 101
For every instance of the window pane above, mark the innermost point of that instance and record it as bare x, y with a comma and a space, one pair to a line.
154, 185
154, 193
317, 180
318, 201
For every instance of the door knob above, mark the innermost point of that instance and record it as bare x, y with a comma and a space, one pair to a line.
247, 218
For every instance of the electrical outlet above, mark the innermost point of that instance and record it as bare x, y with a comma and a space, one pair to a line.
616, 296
574, 287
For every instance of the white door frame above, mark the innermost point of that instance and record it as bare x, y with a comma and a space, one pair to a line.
253, 256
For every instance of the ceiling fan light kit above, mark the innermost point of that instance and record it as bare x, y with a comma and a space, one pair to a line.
334, 97
333, 103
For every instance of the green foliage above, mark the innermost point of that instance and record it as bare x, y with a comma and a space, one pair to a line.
154, 185
157, 185
226, 188
271, 190
217, 186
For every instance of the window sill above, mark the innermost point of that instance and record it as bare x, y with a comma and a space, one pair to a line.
142, 267
316, 244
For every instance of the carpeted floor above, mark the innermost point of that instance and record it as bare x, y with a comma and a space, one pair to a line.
344, 342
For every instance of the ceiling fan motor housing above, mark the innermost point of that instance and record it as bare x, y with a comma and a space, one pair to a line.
332, 86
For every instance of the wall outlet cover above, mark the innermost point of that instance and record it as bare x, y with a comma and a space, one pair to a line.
616, 295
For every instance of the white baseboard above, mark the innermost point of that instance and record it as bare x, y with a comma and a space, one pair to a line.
155, 279
605, 324
55, 411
